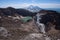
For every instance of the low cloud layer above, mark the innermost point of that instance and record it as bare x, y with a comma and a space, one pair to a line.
41, 5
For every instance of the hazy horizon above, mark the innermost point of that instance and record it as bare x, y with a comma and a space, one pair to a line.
25, 3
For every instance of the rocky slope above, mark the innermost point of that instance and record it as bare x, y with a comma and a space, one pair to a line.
12, 28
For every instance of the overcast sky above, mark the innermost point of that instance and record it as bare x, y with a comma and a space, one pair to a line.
25, 3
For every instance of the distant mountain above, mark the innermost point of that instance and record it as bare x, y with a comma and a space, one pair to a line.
12, 11
33, 8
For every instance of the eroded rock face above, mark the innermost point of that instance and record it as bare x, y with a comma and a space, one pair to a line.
49, 17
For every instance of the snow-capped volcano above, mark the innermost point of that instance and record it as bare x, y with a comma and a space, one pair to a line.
33, 8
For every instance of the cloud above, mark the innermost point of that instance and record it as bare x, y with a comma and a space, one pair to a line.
41, 5
49, 5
